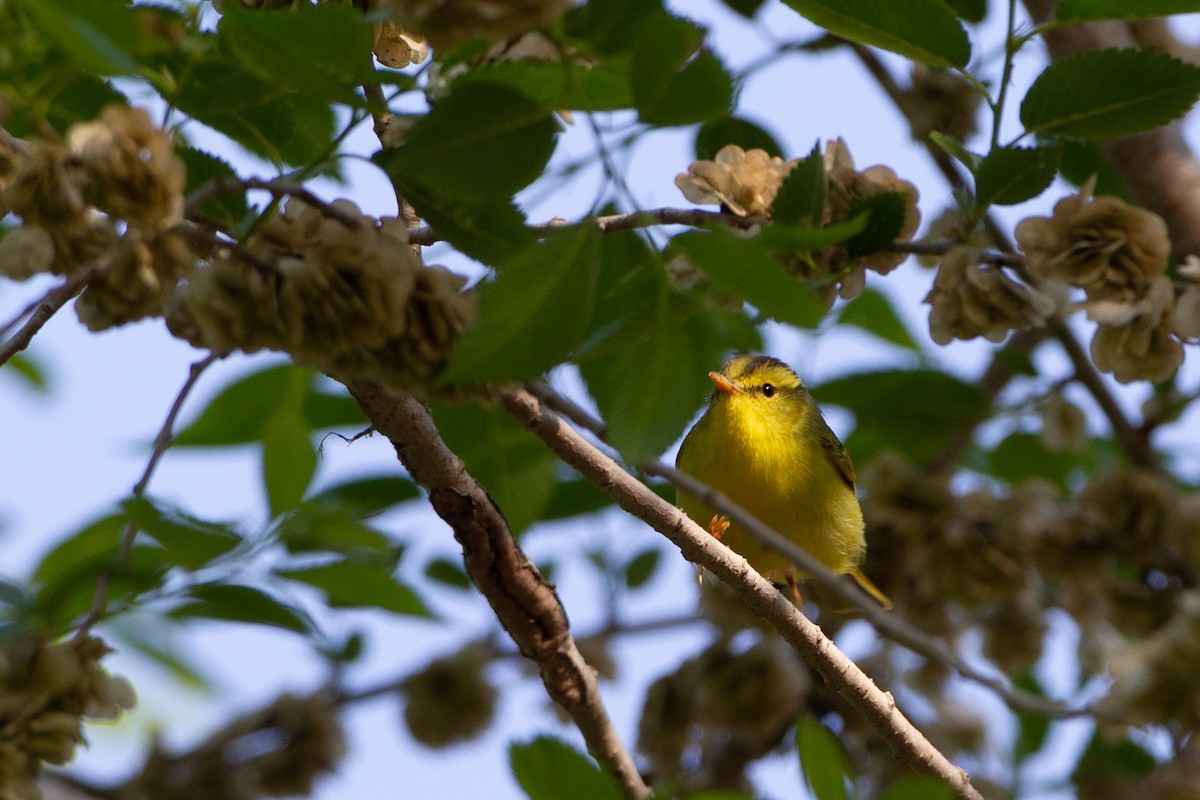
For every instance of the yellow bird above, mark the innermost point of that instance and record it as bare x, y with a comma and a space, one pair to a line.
764, 443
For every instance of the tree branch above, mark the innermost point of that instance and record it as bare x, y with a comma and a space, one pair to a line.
525, 603
41, 311
842, 674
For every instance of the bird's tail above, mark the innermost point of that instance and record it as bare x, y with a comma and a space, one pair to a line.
865, 583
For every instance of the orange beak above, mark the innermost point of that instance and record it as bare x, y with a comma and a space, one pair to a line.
723, 383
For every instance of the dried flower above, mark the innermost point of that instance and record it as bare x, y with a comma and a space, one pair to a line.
970, 299
940, 100
396, 48
1186, 316
26, 251
47, 187
132, 167
1104, 245
744, 182
450, 700
139, 282
1134, 340
1064, 425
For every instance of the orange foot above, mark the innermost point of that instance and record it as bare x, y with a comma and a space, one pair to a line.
718, 525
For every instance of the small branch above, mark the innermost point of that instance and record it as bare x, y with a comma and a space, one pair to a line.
842, 674
888, 623
277, 188
696, 217
42, 310
525, 603
161, 442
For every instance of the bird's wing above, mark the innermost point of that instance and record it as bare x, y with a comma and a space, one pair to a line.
837, 454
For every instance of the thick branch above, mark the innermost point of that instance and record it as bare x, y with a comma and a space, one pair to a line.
525, 603
842, 674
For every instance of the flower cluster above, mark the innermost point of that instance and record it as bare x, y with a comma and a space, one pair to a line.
970, 299
742, 182
46, 690
941, 101
451, 699
352, 300
110, 193
1118, 255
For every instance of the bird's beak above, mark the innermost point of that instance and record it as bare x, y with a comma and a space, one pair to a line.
724, 383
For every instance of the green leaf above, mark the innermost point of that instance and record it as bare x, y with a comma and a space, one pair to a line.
283, 126
715, 134
482, 141
98, 36
956, 149
641, 568
611, 25
353, 584
148, 638
12, 594
1031, 728
94, 544
536, 311
490, 231
745, 268
80, 99
969, 10
821, 759
289, 460
1021, 456
792, 239
603, 86
364, 498
203, 167
1091, 95
29, 371
190, 542
873, 312
322, 50
632, 278
1011, 175
917, 787
514, 466
236, 603
549, 769
448, 573
801, 196
917, 412
1084, 10
675, 82
923, 30
886, 212
319, 527
335, 409
1105, 761
573, 498
1081, 161
747, 8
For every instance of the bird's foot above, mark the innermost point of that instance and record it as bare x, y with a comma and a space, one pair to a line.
718, 525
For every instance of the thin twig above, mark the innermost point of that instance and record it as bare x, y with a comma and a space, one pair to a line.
525, 603
42, 310
277, 188
761, 597
161, 442
888, 623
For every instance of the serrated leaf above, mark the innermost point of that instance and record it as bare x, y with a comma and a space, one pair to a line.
603, 86
289, 459
514, 467
715, 134
923, 30
99, 36
545, 295
190, 542
1085, 10
675, 82
448, 573
872, 312
916, 412
917, 787
611, 25
353, 584
746, 269
364, 498
237, 603
322, 50
549, 769
886, 212
202, 167
1011, 175
821, 759
801, 196
1092, 95
641, 568
484, 140
647, 412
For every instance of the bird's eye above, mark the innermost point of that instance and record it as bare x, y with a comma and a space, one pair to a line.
768, 390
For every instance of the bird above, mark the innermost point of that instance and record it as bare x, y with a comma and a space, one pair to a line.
763, 442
